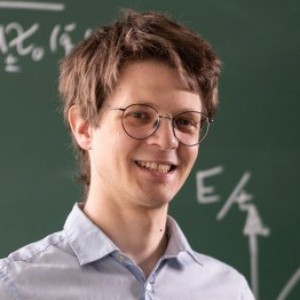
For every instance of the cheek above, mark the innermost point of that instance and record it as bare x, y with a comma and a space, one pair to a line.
109, 138
121, 148
191, 157
191, 154
195, 154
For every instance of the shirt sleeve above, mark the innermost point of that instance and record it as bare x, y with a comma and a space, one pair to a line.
246, 292
4, 293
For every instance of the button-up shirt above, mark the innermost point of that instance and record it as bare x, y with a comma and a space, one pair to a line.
81, 262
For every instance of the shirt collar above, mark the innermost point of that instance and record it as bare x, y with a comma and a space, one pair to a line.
177, 242
90, 243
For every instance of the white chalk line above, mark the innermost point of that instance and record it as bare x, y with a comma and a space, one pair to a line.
232, 198
32, 5
289, 286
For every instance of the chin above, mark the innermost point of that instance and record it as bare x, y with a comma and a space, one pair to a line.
157, 201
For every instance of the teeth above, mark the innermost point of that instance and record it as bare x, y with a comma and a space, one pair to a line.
155, 166
163, 168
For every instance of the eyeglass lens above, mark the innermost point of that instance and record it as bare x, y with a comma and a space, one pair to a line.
141, 120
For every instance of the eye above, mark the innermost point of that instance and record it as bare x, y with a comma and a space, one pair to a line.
138, 115
188, 122
183, 122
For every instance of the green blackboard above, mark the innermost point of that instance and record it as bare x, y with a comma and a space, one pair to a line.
241, 202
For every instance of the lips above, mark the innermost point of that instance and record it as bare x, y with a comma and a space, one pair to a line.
157, 167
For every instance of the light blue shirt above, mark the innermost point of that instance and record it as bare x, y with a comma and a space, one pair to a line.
81, 262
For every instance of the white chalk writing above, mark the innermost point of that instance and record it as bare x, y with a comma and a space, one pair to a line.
290, 285
17, 41
204, 192
253, 224
32, 5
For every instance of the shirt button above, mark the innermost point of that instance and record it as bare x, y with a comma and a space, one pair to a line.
120, 257
149, 287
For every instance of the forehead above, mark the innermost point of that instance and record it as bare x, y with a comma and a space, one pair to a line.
155, 83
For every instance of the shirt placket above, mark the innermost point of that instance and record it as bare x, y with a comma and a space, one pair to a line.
147, 285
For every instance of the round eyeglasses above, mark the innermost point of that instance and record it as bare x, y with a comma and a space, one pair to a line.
140, 121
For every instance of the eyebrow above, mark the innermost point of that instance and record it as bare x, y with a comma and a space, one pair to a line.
184, 109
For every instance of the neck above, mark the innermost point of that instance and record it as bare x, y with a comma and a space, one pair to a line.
137, 231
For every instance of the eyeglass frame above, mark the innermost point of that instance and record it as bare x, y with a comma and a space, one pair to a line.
172, 119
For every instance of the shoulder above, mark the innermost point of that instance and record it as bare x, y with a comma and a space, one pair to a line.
4, 293
36, 256
214, 264
217, 268
34, 251
222, 274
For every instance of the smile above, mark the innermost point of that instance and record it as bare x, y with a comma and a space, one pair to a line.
157, 167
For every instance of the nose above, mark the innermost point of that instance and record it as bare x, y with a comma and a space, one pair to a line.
164, 135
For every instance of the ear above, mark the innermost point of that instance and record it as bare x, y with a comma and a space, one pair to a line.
81, 128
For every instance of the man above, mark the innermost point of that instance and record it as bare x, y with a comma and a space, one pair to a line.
139, 96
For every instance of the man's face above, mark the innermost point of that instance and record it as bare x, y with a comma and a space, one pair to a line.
130, 172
